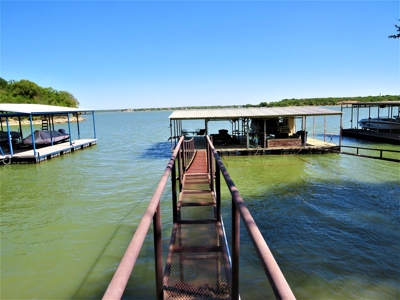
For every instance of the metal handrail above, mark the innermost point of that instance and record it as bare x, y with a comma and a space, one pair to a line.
120, 279
188, 152
381, 151
275, 276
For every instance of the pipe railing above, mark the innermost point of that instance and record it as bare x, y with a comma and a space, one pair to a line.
239, 211
120, 279
371, 153
188, 152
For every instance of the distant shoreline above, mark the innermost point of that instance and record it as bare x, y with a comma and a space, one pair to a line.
57, 120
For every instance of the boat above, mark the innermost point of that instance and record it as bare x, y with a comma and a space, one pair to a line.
46, 137
381, 123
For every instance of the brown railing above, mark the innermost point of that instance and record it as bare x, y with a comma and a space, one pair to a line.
118, 283
240, 211
183, 154
383, 154
188, 152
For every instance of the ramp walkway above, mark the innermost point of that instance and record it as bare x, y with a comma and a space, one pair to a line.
198, 263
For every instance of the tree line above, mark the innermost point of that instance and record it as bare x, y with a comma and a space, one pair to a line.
25, 91
328, 101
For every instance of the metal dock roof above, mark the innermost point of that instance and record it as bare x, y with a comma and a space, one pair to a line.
37, 109
261, 112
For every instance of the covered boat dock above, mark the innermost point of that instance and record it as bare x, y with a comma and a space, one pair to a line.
263, 130
376, 110
45, 143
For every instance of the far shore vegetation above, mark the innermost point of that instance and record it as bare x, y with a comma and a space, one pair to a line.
25, 91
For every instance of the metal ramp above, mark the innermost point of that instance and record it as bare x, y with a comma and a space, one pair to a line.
198, 263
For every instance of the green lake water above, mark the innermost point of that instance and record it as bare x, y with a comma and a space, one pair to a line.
331, 221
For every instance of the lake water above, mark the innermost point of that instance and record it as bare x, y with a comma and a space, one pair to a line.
331, 221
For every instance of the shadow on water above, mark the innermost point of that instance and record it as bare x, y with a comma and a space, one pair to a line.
161, 150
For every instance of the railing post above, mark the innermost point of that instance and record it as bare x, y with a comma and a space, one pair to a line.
180, 162
157, 231
183, 149
174, 194
235, 250
218, 190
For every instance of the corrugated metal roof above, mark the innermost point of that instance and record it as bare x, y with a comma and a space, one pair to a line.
388, 103
261, 112
36, 109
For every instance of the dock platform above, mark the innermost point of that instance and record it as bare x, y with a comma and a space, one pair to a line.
313, 146
25, 155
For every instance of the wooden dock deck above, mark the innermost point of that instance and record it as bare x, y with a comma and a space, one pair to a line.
198, 264
25, 155
312, 146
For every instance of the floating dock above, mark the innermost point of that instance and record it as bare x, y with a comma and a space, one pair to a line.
45, 153
312, 146
390, 109
257, 131
42, 144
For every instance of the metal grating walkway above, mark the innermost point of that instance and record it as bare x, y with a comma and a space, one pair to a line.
198, 265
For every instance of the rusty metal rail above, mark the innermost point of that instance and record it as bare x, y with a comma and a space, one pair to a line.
371, 151
183, 154
188, 152
118, 283
239, 210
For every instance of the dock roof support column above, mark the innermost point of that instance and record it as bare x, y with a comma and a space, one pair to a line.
94, 125
77, 123
32, 134
341, 129
69, 130
247, 134
9, 137
265, 133
304, 125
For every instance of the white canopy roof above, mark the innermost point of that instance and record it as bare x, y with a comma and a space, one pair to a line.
260, 112
37, 109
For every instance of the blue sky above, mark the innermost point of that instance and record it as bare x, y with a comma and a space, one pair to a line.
143, 54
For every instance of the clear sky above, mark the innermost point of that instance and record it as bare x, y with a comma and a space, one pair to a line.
143, 54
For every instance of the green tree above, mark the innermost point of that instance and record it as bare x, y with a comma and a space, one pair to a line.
25, 91
24, 88
3, 83
395, 36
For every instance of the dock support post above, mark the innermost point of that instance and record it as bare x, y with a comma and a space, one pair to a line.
94, 125
9, 137
77, 123
32, 134
69, 130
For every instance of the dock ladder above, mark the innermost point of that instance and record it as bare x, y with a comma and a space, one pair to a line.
45, 125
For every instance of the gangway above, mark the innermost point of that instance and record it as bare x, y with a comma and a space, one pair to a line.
198, 259
199, 264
